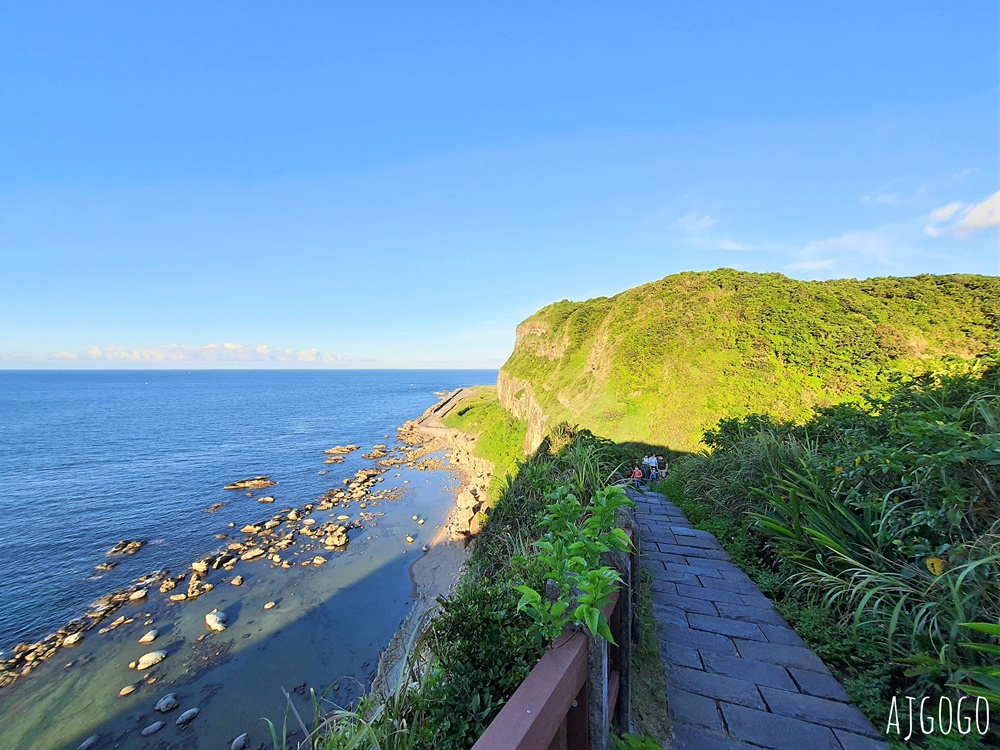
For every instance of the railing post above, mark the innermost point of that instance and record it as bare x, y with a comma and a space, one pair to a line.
623, 709
597, 684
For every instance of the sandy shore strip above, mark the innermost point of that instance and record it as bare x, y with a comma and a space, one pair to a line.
436, 572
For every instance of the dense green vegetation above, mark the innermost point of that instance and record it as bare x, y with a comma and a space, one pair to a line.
494, 628
500, 435
664, 361
875, 529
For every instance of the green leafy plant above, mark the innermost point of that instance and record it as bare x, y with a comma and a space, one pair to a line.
568, 555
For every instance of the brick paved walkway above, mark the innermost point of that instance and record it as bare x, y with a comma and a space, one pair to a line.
738, 676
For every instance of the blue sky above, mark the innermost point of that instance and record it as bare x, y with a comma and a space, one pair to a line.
399, 184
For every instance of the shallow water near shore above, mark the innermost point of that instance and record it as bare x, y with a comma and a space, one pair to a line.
330, 622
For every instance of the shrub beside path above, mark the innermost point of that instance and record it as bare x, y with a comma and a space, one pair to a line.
737, 674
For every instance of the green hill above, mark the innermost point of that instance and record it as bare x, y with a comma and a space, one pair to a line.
664, 361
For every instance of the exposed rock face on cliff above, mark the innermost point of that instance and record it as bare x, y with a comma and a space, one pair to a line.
662, 362
517, 397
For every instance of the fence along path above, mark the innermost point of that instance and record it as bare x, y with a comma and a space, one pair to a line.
737, 674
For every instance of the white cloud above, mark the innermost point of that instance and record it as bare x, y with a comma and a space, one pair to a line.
221, 354
696, 227
962, 220
694, 224
882, 199
854, 253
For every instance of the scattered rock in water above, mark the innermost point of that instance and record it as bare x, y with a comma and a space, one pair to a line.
167, 703
341, 450
253, 554
216, 620
137, 595
237, 581
416, 517
409, 539
187, 716
253, 483
266, 499
200, 566
151, 659
319, 560
270, 605
214, 507
153, 728
88, 743
150, 636
125, 547
72, 640
106, 566
420, 522
127, 690
425, 548
241, 742
343, 518
178, 597
251, 529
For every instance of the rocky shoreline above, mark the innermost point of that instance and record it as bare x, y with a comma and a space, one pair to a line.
291, 537
435, 573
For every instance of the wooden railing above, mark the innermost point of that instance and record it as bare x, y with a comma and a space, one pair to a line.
579, 686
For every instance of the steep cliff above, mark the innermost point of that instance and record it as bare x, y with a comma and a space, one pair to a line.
663, 361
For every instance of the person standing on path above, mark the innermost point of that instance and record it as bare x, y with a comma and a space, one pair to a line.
637, 476
645, 467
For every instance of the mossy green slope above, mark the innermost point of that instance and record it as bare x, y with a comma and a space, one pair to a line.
662, 362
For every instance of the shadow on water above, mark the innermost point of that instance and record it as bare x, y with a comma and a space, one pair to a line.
323, 628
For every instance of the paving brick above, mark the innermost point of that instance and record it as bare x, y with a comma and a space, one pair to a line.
711, 594
756, 600
662, 557
818, 710
688, 578
742, 612
851, 741
662, 587
724, 584
782, 634
687, 737
707, 565
698, 542
690, 708
733, 628
757, 672
778, 653
689, 604
777, 732
822, 685
675, 653
696, 639
735, 574
667, 557
664, 613
716, 686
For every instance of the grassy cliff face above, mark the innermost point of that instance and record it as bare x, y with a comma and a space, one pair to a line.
662, 362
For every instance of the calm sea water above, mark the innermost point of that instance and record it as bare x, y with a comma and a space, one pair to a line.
90, 458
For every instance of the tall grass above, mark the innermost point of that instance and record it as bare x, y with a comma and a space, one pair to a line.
890, 512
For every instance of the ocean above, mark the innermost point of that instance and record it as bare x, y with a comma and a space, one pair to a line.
88, 459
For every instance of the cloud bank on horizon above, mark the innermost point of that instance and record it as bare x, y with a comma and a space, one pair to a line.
209, 354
